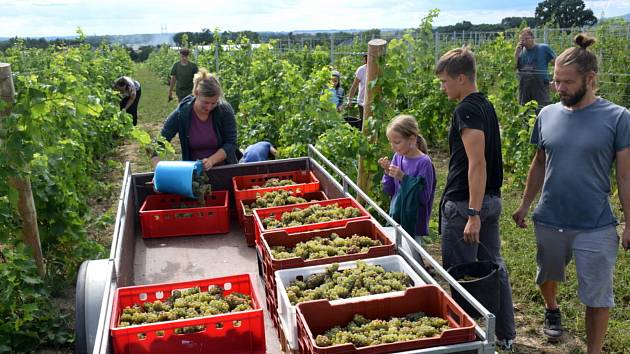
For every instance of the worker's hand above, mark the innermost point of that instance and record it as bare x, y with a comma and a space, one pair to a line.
349, 103
207, 164
519, 216
384, 163
396, 172
154, 161
625, 239
471, 231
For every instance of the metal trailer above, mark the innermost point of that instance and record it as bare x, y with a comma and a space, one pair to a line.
137, 261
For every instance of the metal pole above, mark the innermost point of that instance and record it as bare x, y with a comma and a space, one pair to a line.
437, 46
332, 49
216, 56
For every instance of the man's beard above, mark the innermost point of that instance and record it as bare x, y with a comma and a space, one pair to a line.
570, 101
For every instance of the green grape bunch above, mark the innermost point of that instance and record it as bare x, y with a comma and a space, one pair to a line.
201, 187
365, 279
315, 213
185, 303
364, 332
274, 198
275, 182
327, 246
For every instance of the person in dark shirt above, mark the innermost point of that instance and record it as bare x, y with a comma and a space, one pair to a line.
182, 74
205, 124
471, 202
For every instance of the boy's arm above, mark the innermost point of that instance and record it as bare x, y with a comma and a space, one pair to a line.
474, 144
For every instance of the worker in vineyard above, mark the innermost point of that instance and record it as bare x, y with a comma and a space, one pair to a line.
532, 60
131, 91
182, 74
260, 151
409, 178
578, 140
360, 78
336, 90
205, 123
471, 202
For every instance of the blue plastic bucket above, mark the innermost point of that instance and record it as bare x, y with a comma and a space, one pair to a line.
176, 176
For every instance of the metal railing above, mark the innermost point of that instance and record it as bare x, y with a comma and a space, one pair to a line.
347, 185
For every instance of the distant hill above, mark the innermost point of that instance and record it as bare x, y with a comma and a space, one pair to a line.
132, 40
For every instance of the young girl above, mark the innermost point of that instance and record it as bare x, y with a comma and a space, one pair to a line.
409, 177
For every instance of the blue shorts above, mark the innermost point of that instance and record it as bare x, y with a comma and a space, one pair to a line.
595, 253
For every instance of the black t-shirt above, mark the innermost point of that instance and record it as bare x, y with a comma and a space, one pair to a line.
474, 112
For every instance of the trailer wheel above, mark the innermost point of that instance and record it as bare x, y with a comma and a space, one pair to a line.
89, 296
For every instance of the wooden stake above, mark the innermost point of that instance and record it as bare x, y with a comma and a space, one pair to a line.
26, 204
376, 49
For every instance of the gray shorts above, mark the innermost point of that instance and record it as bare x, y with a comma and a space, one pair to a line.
595, 254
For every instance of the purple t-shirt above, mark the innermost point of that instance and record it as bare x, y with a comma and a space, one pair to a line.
415, 166
202, 139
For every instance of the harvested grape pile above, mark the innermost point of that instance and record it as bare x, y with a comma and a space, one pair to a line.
273, 198
311, 215
188, 303
333, 284
200, 188
275, 182
365, 332
322, 247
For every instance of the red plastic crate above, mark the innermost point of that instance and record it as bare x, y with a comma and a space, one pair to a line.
247, 221
260, 214
313, 318
160, 215
282, 238
236, 332
306, 182
272, 305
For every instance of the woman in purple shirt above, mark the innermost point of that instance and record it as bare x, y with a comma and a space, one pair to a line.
409, 177
205, 124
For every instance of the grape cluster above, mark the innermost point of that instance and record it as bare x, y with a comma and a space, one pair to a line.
274, 198
275, 182
334, 284
200, 188
365, 332
327, 246
313, 214
188, 303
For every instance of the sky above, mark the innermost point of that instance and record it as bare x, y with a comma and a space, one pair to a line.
37, 18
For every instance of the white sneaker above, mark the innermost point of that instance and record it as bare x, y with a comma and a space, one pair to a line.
505, 344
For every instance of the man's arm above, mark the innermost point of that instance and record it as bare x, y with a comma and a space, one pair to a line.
130, 101
353, 90
171, 86
535, 179
517, 53
623, 185
474, 144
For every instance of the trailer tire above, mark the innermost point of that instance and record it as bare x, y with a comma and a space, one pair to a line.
89, 296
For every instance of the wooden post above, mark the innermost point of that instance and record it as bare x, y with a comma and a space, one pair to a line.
26, 204
376, 49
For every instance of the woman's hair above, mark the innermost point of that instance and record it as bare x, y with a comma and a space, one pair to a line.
121, 83
458, 61
585, 60
336, 74
407, 126
527, 30
206, 84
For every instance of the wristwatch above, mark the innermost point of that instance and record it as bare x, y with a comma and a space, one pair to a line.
472, 212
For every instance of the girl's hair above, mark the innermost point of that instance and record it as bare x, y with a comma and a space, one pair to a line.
585, 60
407, 126
206, 84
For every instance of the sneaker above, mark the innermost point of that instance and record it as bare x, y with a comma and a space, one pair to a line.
553, 324
505, 344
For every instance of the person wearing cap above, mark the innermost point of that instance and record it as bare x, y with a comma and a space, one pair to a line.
337, 91
360, 77
182, 74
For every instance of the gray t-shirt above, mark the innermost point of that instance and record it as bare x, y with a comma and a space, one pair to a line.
580, 148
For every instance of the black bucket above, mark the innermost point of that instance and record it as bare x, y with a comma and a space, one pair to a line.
354, 122
484, 287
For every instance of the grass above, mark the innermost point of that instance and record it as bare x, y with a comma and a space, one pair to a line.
519, 249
